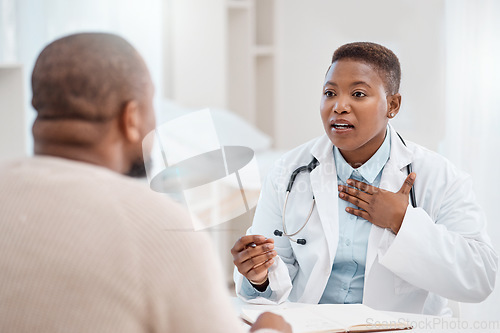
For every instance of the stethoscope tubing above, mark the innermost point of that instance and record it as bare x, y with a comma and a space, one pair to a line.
285, 232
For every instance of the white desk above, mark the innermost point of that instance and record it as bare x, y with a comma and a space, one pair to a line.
420, 323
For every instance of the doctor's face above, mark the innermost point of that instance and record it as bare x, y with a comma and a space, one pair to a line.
354, 109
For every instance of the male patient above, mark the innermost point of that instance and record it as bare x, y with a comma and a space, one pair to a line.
84, 248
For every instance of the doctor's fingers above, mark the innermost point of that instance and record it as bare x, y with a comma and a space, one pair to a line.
253, 255
258, 273
359, 212
362, 186
249, 241
408, 184
245, 266
355, 196
355, 192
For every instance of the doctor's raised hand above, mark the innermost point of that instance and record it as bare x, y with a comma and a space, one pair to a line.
383, 208
253, 255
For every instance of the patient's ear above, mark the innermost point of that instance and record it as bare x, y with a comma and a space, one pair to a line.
131, 121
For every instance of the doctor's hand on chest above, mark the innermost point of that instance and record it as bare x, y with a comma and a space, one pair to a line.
381, 207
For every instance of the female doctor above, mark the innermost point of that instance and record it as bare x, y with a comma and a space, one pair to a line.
335, 222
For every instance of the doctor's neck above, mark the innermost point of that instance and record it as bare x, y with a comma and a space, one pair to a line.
354, 161
360, 155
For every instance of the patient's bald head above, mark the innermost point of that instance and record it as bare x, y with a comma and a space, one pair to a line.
93, 97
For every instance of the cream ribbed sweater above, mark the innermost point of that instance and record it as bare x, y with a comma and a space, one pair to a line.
83, 249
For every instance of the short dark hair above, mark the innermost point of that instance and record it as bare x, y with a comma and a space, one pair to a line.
378, 56
87, 76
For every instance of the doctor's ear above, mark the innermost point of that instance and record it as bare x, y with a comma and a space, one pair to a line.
393, 105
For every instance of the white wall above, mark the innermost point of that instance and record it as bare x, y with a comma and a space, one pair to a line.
198, 78
12, 124
140, 22
309, 32
473, 112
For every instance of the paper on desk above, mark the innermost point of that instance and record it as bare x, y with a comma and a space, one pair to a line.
330, 318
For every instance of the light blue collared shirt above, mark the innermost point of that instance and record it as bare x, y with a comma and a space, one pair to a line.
346, 281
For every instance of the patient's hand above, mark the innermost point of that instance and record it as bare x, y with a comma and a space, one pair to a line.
271, 320
253, 255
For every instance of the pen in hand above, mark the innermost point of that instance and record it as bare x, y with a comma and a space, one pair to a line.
253, 255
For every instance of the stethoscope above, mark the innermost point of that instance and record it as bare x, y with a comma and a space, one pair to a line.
310, 167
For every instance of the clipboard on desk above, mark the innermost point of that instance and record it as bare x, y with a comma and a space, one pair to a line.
331, 318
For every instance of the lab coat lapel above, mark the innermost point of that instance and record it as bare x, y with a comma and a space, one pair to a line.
324, 185
393, 176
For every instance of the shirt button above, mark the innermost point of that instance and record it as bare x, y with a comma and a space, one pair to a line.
347, 242
344, 286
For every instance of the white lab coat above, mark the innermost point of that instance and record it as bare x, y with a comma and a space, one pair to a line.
441, 251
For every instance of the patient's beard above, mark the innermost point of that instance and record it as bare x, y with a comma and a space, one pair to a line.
137, 169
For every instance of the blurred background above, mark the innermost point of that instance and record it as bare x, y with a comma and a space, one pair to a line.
261, 63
